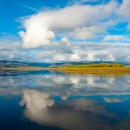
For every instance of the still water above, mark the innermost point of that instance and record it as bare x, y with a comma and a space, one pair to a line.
55, 101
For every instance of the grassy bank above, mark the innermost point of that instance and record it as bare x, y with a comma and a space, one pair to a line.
93, 69
79, 69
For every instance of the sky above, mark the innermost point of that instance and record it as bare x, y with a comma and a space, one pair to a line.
65, 31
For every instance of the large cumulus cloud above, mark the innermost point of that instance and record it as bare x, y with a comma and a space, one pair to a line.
40, 28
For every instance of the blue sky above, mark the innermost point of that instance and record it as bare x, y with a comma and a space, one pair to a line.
67, 30
11, 10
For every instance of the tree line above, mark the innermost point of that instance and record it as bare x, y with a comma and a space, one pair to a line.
95, 65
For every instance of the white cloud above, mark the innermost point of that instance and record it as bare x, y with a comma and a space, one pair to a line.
40, 28
92, 57
35, 37
12, 45
75, 57
127, 58
87, 32
68, 51
113, 38
124, 9
110, 58
59, 57
63, 48
64, 40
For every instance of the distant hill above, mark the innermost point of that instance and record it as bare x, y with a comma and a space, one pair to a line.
4, 63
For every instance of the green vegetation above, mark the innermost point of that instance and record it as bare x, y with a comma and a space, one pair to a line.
88, 66
95, 65
93, 69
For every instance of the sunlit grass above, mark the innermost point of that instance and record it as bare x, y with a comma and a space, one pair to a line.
79, 69
94, 69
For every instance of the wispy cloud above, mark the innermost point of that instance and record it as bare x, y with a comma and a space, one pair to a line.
26, 6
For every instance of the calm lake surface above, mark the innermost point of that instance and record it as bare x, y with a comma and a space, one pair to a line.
55, 101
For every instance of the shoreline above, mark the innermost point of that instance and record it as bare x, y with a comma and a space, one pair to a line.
23, 68
99, 70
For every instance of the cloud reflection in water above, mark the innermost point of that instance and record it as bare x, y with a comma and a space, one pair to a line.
66, 85
40, 108
76, 109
